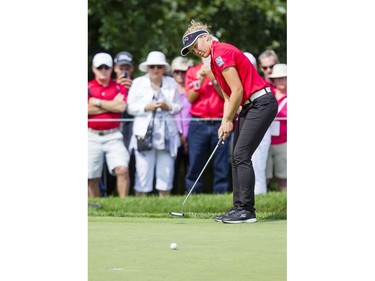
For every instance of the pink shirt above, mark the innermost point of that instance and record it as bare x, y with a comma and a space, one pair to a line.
105, 93
224, 55
283, 124
183, 117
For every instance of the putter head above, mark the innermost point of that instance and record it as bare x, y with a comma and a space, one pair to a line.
94, 205
176, 214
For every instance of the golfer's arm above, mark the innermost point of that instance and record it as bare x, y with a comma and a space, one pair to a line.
233, 102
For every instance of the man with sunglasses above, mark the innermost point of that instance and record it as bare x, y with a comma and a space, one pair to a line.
106, 100
267, 60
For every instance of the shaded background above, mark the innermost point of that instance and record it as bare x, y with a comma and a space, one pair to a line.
141, 26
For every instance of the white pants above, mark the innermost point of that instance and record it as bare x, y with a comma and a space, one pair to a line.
260, 162
149, 161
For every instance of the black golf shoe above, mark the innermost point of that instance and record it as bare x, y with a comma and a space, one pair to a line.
240, 217
229, 212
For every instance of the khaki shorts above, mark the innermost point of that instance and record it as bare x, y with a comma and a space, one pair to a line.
111, 147
276, 161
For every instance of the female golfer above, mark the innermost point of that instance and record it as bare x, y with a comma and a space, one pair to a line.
246, 94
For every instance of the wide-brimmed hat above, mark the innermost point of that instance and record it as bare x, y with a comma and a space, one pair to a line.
278, 71
154, 58
102, 58
124, 58
181, 63
190, 38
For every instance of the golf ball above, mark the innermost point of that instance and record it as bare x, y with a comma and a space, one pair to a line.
173, 246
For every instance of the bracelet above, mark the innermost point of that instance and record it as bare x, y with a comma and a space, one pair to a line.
98, 103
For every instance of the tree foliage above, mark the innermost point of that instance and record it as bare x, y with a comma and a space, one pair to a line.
141, 26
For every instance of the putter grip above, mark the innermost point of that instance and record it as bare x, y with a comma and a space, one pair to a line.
221, 137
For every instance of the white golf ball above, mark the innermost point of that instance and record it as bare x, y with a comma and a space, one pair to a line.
173, 246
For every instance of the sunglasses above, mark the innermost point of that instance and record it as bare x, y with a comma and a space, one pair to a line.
158, 66
178, 72
103, 66
270, 67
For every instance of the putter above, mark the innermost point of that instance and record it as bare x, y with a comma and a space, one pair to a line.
181, 214
94, 205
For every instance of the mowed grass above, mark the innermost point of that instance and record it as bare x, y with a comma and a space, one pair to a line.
129, 239
138, 249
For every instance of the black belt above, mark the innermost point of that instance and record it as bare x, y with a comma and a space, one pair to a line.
207, 120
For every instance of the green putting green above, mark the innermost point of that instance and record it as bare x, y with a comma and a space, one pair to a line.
138, 249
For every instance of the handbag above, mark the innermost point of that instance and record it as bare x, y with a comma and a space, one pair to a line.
145, 143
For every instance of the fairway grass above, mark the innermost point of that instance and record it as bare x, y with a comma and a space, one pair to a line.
137, 248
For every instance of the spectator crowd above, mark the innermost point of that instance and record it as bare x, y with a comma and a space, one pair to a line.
153, 134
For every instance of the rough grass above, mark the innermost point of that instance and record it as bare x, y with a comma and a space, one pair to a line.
272, 205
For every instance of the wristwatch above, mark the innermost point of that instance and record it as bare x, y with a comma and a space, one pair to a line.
98, 103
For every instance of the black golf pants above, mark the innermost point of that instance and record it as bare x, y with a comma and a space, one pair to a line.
253, 123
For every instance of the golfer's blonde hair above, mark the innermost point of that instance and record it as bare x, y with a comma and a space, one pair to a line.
196, 25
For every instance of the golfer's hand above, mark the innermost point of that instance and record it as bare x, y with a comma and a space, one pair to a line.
225, 129
239, 110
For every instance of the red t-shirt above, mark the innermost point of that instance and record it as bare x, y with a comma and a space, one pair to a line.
105, 93
209, 104
224, 55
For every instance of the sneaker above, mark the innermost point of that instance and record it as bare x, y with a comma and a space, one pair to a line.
229, 212
240, 217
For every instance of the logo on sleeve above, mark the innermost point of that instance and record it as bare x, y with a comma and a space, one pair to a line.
219, 61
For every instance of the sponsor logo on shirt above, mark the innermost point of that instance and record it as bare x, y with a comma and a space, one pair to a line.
219, 61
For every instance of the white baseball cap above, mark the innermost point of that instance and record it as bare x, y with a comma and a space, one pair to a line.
102, 58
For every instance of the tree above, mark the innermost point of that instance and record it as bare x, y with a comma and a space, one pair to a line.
140, 26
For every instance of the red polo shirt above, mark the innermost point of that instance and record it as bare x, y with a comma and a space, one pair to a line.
224, 55
208, 104
105, 93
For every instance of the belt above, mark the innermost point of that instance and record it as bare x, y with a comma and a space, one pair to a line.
207, 120
257, 94
104, 132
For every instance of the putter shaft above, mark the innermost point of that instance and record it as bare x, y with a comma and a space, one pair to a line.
191, 189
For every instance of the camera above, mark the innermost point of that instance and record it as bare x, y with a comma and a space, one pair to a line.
125, 74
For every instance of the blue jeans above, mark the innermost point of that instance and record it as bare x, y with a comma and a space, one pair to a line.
202, 139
